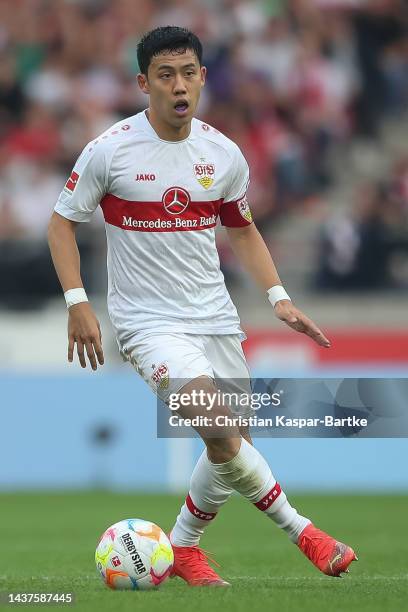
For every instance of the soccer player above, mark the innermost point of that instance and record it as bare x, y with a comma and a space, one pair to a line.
163, 179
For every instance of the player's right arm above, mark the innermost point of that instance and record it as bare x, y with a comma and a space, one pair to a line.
78, 200
83, 327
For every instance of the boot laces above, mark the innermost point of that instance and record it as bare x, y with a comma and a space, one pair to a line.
314, 546
197, 559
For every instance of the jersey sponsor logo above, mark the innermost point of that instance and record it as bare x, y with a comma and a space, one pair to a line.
72, 181
161, 377
175, 200
163, 224
204, 174
142, 216
244, 209
145, 177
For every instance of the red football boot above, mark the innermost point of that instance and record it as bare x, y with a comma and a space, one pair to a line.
327, 554
191, 564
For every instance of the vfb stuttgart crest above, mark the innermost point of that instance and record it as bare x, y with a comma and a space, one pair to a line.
161, 377
244, 209
204, 174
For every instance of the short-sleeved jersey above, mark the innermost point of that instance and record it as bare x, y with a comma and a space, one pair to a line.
161, 201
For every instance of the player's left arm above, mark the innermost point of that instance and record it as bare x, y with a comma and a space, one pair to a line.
253, 254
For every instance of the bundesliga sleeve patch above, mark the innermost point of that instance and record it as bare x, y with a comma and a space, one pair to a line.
236, 214
72, 181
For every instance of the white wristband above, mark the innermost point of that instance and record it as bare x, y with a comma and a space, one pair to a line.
75, 296
277, 293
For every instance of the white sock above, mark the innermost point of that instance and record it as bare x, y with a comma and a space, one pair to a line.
207, 494
250, 475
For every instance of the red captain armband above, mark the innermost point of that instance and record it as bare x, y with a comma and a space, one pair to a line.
236, 213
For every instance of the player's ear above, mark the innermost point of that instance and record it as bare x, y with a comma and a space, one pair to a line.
203, 71
143, 83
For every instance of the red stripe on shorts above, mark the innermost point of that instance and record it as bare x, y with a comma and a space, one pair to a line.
267, 501
204, 516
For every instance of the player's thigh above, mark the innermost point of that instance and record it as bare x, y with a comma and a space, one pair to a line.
232, 373
167, 362
226, 356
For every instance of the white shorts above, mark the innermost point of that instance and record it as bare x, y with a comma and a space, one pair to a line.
167, 362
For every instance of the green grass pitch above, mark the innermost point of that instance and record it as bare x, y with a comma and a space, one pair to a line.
48, 542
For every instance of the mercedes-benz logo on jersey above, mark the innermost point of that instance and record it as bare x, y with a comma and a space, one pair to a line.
176, 200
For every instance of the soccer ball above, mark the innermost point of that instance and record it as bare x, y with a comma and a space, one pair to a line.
134, 554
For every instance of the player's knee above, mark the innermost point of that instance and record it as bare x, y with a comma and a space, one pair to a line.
214, 420
221, 450
244, 431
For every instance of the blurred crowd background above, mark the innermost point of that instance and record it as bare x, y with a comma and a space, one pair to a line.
307, 88
315, 92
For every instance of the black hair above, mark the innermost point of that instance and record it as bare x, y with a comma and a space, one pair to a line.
166, 38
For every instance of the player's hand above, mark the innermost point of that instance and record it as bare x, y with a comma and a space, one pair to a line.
292, 316
85, 331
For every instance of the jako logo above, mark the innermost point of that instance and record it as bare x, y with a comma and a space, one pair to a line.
145, 177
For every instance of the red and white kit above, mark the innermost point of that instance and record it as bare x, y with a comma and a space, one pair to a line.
161, 201
173, 317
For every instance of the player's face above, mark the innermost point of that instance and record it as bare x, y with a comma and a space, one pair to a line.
174, 83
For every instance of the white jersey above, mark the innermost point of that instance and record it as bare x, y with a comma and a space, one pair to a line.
161, 201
